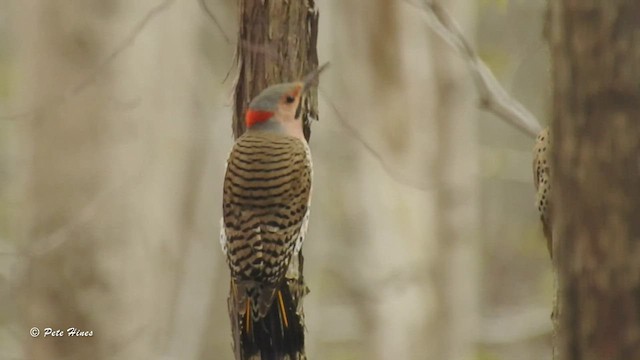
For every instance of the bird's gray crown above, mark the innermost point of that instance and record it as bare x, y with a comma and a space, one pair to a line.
268, 99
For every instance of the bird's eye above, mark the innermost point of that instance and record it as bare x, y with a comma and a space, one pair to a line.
290, 99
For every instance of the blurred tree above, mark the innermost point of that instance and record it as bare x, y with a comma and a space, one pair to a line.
406, 269
455, 171
109, 191
596, 133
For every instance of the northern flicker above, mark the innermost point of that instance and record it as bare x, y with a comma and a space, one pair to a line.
266, 200
542, 182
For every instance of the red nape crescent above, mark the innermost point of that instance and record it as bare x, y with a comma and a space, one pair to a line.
255, 116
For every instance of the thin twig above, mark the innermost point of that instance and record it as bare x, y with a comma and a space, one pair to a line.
84, 216
125, 44
61, 235
493, 97
97, 70
203, 4
423, 186
261, 49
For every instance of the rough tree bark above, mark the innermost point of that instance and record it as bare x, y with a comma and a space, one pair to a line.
276, 43
596, 63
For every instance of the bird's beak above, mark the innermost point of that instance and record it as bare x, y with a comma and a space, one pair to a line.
312, 78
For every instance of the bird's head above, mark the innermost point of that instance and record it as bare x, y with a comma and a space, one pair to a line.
280, 105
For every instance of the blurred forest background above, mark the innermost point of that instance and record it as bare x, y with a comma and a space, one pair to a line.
424, 242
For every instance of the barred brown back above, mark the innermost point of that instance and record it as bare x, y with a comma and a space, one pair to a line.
265, 202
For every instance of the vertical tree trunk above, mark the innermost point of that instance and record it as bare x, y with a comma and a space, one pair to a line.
276, 43
108, 199
596, 129
455, 171
387, 262
383, 258
67, 152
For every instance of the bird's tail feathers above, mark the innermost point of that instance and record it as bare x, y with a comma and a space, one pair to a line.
269, 323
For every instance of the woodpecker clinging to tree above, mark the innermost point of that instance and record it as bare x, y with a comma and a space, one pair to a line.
542, 181
266, 199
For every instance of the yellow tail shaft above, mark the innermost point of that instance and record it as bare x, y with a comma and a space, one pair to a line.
278, 331
248, 317
283, 312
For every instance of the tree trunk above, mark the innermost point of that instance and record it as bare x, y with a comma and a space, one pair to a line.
381, 208
108, 194
596, 129
455, 171
276, 43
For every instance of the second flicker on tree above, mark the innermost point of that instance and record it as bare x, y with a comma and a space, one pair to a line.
542, 182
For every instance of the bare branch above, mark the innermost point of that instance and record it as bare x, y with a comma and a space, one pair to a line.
493, 97
515, 325
95, 73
